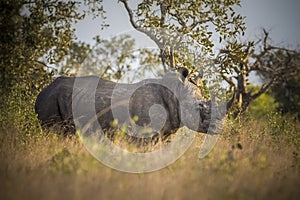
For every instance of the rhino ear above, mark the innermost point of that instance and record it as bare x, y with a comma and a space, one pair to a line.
184, 72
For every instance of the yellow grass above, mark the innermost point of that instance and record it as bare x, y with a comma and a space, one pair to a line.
251, 160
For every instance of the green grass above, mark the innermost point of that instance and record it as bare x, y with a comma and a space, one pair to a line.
253, 159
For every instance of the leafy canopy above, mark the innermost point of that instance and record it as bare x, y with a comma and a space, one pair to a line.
185, 26
34, 35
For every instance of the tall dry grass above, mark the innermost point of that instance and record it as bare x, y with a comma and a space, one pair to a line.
253, 159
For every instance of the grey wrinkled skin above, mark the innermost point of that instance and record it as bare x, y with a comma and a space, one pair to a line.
164, 104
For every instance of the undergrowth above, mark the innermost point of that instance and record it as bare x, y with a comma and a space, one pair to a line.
253, 159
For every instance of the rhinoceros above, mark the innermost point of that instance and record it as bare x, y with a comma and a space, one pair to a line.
164, 104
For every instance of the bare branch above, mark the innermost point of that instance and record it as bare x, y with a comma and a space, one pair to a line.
44, 64
263, 89
138, 28
265, 40
229, 81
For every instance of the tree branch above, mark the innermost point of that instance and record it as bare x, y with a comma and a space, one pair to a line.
138, 28
229, 81
163, 12
263, 89
184, 24
44, 64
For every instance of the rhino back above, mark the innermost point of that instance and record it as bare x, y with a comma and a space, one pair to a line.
54, 104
